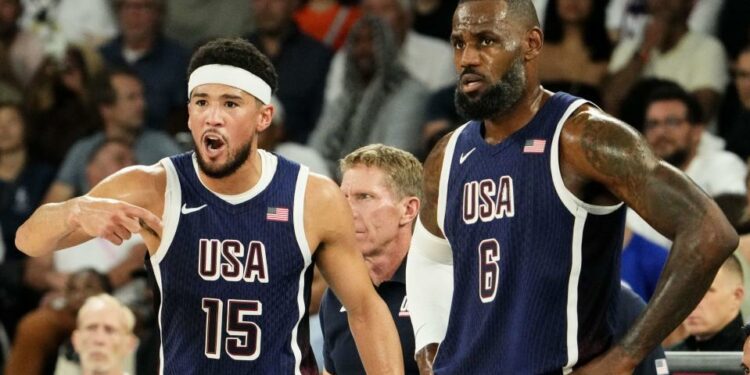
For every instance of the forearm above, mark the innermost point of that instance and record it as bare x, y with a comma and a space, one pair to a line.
618, 85
46, 230
696, 255
379, 349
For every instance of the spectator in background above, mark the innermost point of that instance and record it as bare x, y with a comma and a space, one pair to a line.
434, 17
441, 118
328, 21
192, 22
118, 96
716, 323
23, 182
380, 102
671, 51
272, 139
58, 102
428, 60
42, 331
734, 124
84, 23
673, 127
641, 264
103, 338
159, 62
576, 48
626, 19
734, 26
300, 61
21, 52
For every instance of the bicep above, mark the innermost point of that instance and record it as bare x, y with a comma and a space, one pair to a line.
605, 151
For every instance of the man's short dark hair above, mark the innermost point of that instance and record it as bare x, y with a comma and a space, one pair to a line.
102, 91
694, 111
519, 10
236, 52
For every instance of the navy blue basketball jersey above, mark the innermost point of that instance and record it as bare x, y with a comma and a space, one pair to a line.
233, 273
535, 268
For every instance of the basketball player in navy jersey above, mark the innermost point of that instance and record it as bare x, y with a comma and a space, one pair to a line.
526, 203
231, 232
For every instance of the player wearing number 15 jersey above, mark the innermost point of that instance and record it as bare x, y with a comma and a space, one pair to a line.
231, 231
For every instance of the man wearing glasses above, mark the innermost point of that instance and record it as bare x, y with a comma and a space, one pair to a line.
673, 128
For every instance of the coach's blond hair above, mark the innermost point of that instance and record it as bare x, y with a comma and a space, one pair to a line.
94, 302
403, 171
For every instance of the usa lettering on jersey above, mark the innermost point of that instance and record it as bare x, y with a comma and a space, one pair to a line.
223, 259
488, 200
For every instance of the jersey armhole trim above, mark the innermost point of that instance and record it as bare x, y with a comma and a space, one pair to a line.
171, 215
445, 172
571, 202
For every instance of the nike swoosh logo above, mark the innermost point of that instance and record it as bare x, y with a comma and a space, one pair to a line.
186, 210
466, 155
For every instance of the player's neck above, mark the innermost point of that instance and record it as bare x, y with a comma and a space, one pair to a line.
242, 180
501, 126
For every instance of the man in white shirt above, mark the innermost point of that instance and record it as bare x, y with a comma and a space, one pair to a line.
674, 129
429, 60
669, 50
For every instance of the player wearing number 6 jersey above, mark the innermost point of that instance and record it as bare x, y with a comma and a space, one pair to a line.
231, 231
530, 199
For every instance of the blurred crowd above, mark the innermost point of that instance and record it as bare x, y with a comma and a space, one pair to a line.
88, 87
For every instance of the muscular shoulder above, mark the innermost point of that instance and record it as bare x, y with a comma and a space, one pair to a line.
431, 184
602, 159
326, 210
596, 143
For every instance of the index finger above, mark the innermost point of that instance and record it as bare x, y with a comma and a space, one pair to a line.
145, 217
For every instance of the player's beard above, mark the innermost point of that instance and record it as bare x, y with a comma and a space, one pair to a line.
496, 99
234, 162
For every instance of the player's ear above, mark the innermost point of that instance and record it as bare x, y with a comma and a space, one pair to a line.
265, 116
533, 41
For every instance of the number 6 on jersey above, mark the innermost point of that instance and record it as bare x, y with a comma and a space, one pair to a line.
489, 255
243, 343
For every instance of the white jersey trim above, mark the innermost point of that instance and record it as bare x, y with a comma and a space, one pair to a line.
171, 215
170, 220
304, 246
445, 172
571, 312
571, 202
268, 161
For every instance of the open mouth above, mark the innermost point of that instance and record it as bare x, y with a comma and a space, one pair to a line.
213, 143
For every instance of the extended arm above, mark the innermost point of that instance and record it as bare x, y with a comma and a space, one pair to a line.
112, 210
599, 149
344, 269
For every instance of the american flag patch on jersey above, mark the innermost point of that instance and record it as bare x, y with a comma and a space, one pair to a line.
534, 146
277, 214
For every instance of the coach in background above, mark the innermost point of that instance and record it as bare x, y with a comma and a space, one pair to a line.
383, 186
716, 323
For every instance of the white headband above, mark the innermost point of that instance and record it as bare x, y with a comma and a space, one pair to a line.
230, 76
